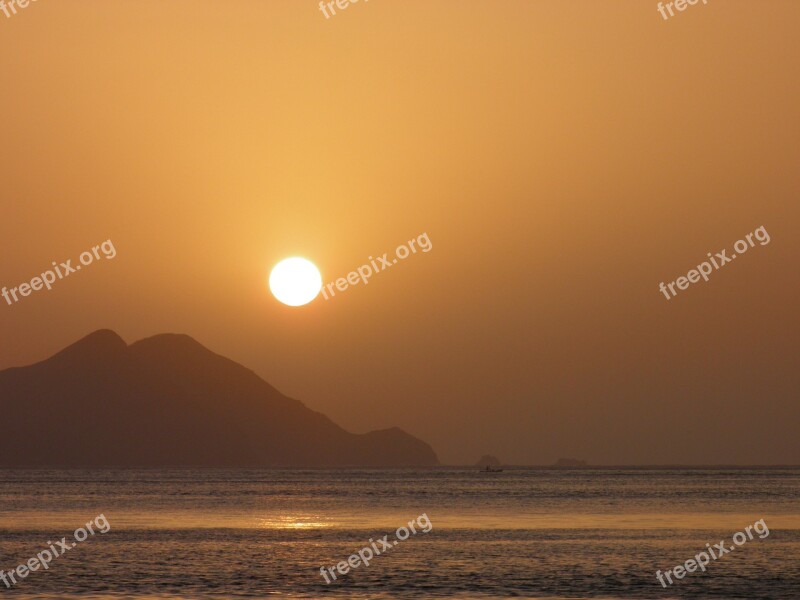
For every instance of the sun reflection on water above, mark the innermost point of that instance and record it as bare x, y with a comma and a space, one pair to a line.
295, 522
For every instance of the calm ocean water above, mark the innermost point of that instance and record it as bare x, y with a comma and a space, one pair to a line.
521, 533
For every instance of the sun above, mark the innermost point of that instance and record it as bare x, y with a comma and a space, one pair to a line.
295, 281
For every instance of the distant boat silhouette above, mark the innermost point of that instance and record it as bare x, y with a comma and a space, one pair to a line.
489, 469
487, 460
167, 401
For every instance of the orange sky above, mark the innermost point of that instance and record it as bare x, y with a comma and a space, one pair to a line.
563, 157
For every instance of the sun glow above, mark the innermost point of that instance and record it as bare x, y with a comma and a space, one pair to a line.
295, 281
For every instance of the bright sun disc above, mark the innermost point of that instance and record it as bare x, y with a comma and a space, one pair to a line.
295, 281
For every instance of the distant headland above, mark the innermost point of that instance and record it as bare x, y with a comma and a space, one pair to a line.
168, 401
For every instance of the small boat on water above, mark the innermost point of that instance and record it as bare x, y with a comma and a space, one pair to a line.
489, 469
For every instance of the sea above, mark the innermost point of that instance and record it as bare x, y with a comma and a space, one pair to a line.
519, 533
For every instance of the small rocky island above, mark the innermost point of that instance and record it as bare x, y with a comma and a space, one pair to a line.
570, 463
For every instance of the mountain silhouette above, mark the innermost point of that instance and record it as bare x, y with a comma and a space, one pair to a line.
169, 401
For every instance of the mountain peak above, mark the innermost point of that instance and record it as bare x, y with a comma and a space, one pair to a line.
170, 339
102, 336
171, 345
98, 344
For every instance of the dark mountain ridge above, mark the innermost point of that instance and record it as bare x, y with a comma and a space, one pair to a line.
169, 401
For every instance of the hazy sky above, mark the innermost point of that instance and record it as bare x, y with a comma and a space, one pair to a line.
564, 158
